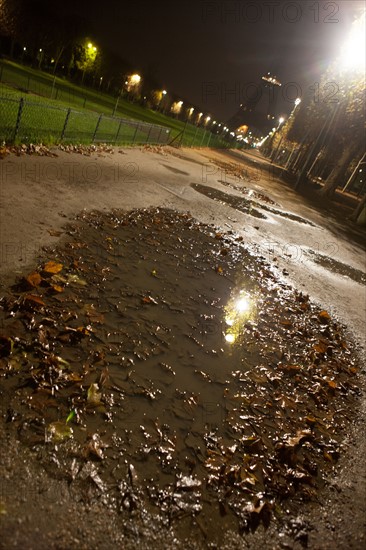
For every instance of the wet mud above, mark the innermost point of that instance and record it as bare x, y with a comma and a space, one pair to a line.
247, 205
241, 204
338, 267
159, 368
262, 198
250, 193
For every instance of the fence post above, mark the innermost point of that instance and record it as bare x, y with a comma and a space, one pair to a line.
65, 124
117, 134
194, 137
203, 138
96, 128
161, 129
134, 135
182, 136
148, 135
19, 118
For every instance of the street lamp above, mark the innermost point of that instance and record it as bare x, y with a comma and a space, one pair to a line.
135, 79
353, 52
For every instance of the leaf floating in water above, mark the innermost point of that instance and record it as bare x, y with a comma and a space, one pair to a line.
73, 278
33, 301
149, 300
70, 416
58, 431
34, 279
303, 435
94, 396
57, 289
94, 447
52, 267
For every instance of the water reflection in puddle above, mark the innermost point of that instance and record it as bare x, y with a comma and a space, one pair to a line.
239, 203
171, 371
247, 205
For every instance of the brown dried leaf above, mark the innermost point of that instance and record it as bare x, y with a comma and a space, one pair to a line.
33, 300
34, 279
52, 267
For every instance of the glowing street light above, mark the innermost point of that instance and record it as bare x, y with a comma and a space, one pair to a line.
135, 79
190, 112
353, 52
176, 107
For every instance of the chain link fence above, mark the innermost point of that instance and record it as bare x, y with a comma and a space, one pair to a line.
31, 122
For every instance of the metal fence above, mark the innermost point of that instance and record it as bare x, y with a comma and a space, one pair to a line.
27, 121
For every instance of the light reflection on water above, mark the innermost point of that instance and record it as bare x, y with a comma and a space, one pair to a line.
240, 309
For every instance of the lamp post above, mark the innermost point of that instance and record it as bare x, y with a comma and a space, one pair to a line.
281, 120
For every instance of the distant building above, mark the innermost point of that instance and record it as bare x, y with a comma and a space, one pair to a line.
257, 113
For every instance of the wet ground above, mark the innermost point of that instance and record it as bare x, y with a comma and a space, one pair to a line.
159, 368
165, 384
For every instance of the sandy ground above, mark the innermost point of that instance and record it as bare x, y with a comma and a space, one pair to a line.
38, 195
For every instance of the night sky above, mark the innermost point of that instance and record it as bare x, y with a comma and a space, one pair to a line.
204, 50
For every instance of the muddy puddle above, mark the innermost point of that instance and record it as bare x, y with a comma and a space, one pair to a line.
338, 267
250, 193
242, 204
160, 368
247, 205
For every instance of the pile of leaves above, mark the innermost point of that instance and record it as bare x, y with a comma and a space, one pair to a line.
24, 149
117, 371
44, 151
88, 150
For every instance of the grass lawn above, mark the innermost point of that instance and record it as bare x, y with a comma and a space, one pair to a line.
47, 99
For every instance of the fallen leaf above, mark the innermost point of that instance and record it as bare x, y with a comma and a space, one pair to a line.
52, 267
149, 300
58, 431
94, 396
33, 300
34, 279
324, 316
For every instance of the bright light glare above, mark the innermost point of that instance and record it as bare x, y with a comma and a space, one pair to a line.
242, 305
353, 52
135, 78
230, 338
297, 101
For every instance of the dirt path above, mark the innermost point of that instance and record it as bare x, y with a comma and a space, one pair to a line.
39, 195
